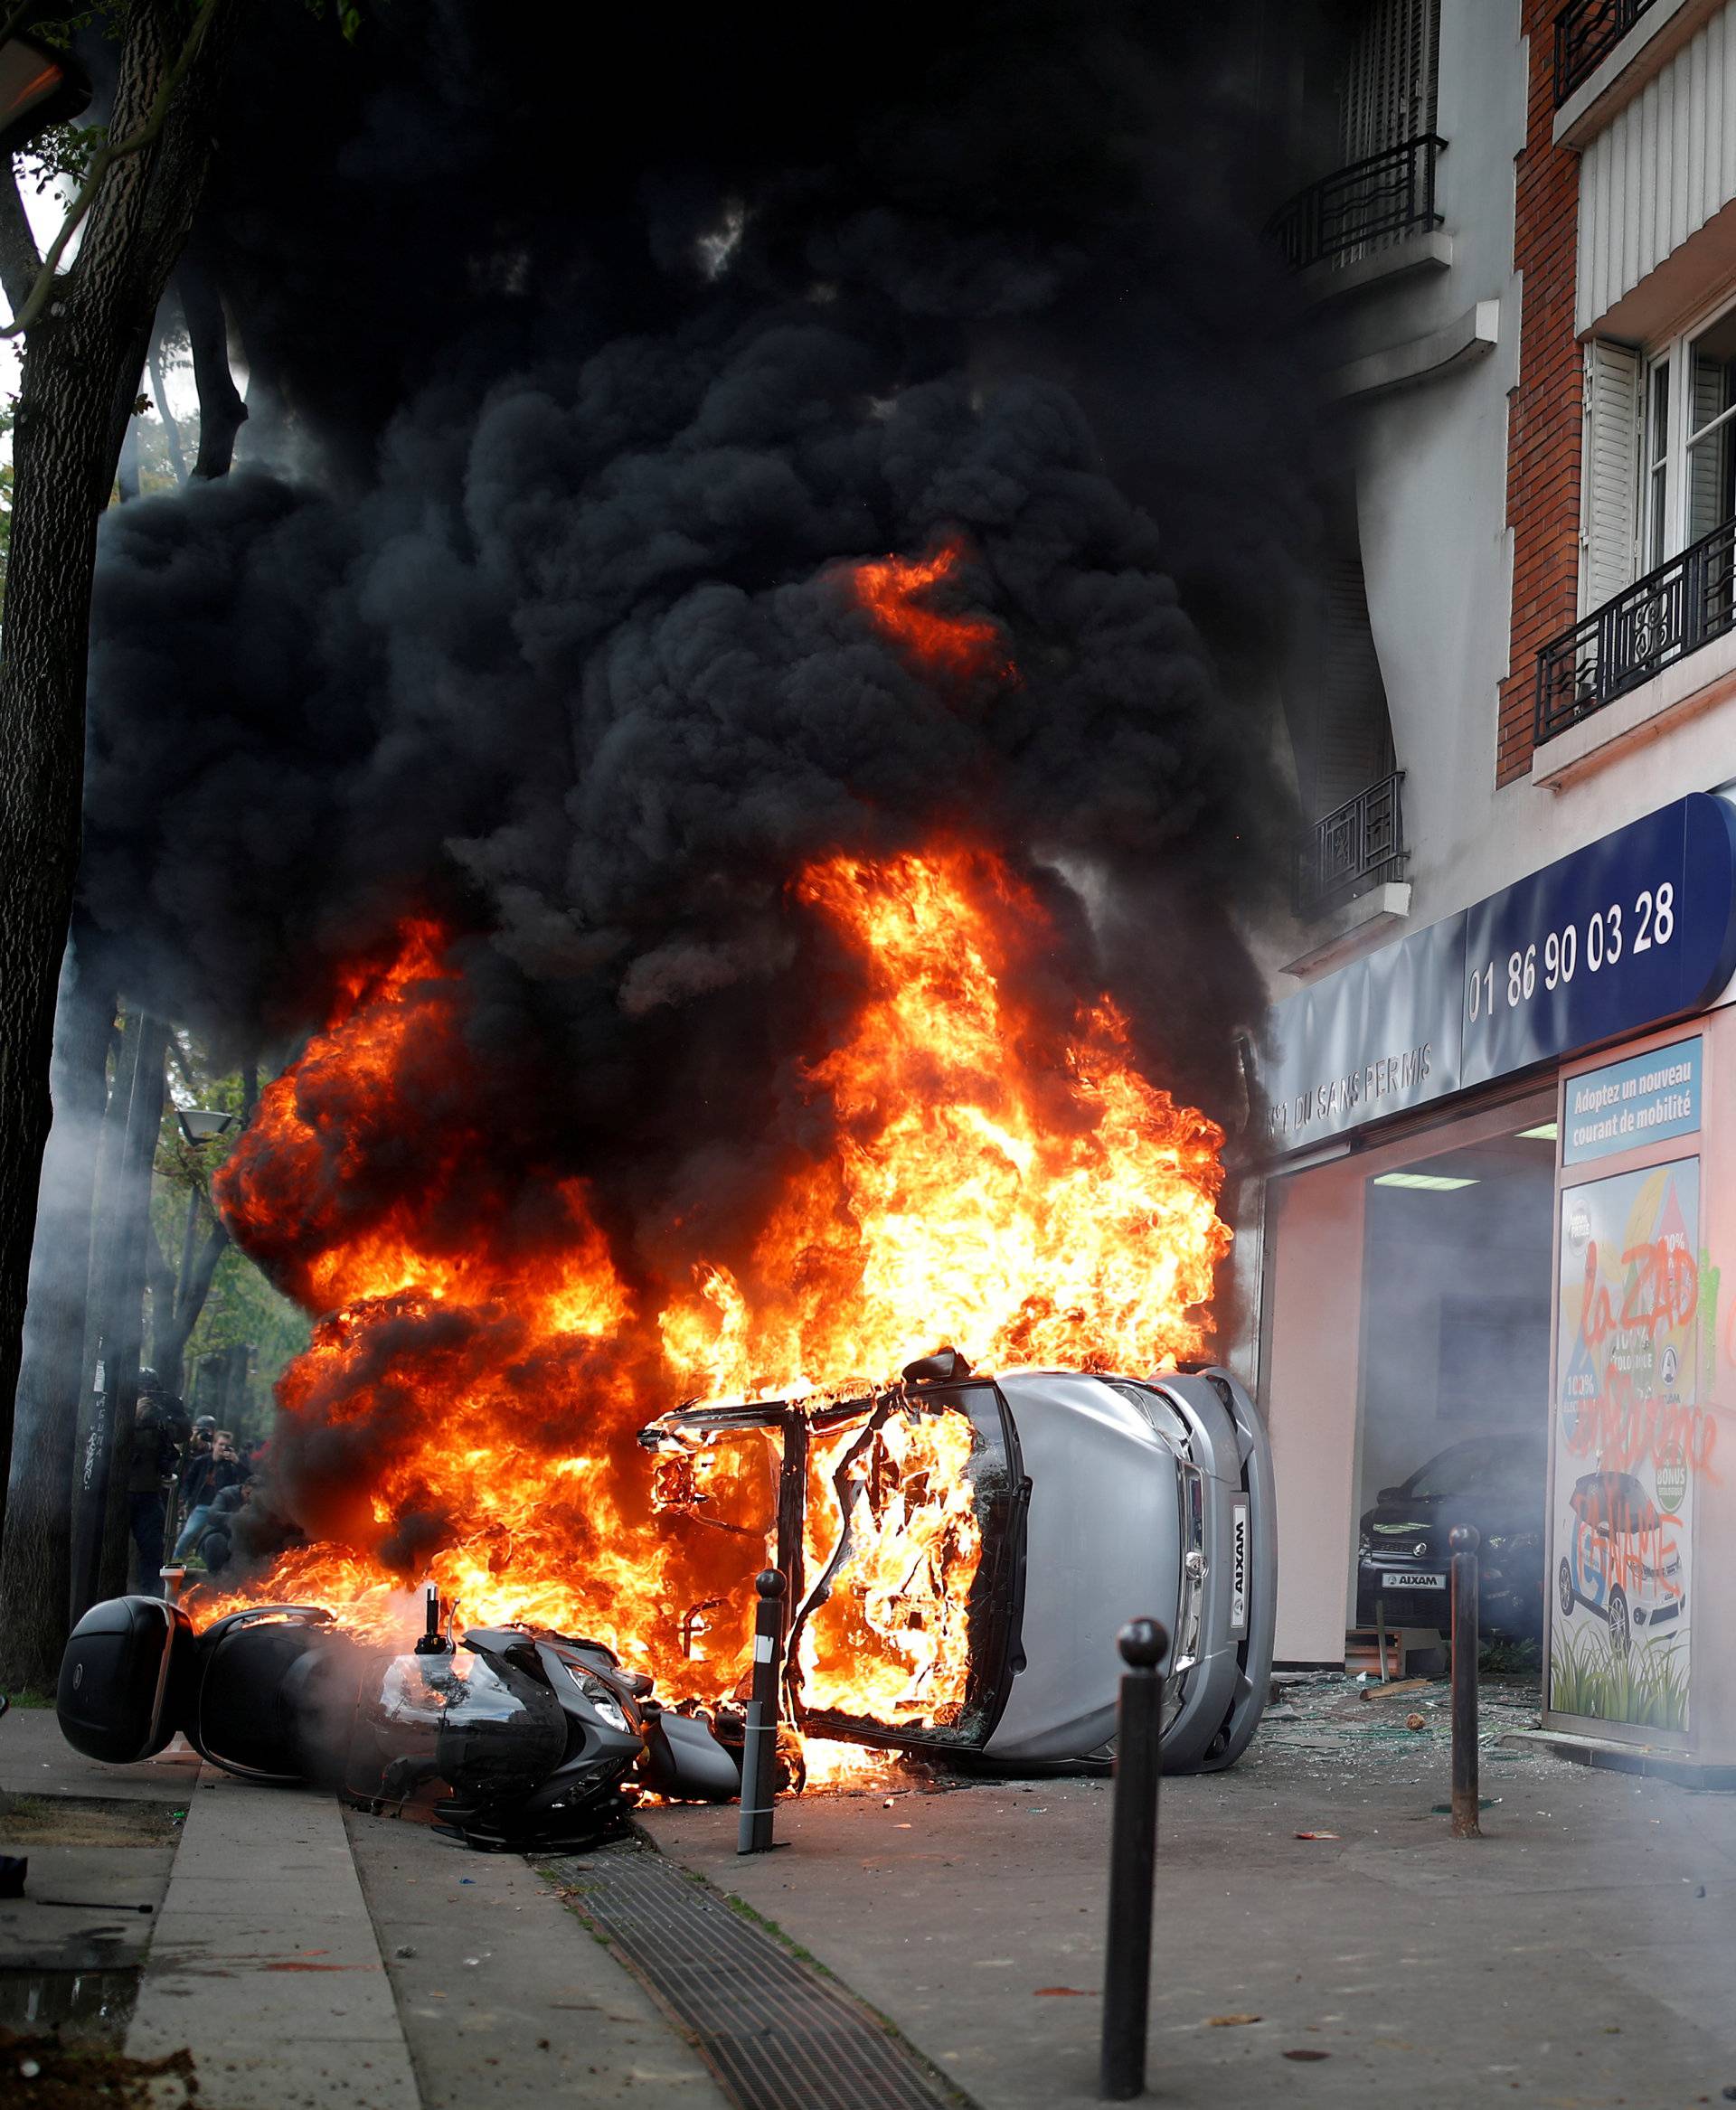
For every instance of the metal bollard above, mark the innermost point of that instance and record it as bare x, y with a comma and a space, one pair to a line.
760, 1743
1133, 1861
1463, 1541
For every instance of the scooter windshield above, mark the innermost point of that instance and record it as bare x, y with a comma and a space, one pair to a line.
481, 1727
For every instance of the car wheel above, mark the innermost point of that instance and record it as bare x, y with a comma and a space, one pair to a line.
1618, 1633
1564, 1587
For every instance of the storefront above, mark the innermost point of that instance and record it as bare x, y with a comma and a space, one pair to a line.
1495, 1233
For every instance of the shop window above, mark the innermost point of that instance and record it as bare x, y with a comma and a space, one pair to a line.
1454, 1398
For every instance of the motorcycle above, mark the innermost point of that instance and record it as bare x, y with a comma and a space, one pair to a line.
514, 1737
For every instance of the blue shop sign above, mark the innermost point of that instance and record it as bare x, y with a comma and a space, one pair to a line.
1632, 930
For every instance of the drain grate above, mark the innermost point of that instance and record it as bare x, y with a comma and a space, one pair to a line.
777, 2034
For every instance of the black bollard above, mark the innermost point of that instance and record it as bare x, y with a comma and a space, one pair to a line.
1464, 1541
1133, 1861
760, 1743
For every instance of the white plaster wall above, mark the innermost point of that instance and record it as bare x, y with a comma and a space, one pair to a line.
1431, 473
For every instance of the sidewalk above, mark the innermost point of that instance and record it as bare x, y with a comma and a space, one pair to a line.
1578, 1955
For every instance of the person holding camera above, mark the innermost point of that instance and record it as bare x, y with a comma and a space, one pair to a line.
159, 1429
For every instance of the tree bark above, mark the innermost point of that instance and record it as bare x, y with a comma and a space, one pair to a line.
35, 1561
81, 363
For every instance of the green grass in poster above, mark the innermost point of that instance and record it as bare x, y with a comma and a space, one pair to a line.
1648, 1687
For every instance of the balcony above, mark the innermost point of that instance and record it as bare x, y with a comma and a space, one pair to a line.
1358, 846
1363, 207
1586, 32
1683, 605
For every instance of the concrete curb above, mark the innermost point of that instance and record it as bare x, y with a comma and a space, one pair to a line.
1640, 1758
265, 1961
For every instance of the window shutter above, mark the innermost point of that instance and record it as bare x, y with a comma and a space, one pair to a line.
1353, 732
1609, 472
1389, 94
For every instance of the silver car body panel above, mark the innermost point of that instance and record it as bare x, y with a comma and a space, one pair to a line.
1149, 1498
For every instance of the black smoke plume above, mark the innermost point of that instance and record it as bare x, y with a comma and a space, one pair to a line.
578, 378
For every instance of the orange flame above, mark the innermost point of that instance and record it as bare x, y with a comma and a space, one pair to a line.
891, 588
995, 1179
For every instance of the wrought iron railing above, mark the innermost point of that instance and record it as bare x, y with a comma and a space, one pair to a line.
1586, 32
1380, 199
1674, 610
1357, 846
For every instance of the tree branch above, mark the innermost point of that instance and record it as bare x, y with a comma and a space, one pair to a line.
199, 1282
20, 261
115, 150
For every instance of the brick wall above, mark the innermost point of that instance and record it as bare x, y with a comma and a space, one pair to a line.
1544, 428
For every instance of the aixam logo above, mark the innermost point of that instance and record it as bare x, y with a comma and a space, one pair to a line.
1239, 1567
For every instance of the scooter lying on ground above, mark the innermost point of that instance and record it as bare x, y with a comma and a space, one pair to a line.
541, 1740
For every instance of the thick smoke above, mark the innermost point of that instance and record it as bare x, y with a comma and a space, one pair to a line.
577, 387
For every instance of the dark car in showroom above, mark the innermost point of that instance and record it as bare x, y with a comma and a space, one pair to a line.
1496, 1484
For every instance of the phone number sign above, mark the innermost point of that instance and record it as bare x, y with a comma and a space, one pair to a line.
1633, 929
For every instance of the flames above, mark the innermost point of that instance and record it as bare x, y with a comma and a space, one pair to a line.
1033, 1201
996, 1176
893, 592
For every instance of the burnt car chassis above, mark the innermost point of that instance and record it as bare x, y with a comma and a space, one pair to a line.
1100, 1499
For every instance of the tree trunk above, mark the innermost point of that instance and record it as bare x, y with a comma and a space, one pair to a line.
222, 412
81, 371
35, 1558
174, 1317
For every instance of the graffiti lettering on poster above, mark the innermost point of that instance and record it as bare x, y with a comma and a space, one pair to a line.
1631, 1442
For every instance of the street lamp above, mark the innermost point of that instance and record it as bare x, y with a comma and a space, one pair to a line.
39, 87
204, 1123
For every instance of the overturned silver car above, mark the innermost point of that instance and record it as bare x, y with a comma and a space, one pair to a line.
1062, 1503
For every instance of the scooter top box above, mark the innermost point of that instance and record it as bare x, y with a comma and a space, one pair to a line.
124, 1678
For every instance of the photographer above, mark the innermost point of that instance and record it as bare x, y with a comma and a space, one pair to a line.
207, 1477
159, 1429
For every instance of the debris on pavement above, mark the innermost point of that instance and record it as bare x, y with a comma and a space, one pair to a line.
1229, 2021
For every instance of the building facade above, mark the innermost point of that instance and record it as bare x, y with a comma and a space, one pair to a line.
1482, 1272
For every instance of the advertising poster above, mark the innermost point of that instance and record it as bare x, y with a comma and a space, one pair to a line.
1628, 1438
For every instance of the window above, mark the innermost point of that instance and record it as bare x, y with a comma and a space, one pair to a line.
1655, 528
1388, 94
1712, 372
1659, 458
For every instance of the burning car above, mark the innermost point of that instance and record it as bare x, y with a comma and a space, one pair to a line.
961, 1552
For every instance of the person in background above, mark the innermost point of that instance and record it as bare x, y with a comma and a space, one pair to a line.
214, 1548
206, 1479
198, 1447
159, 1429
